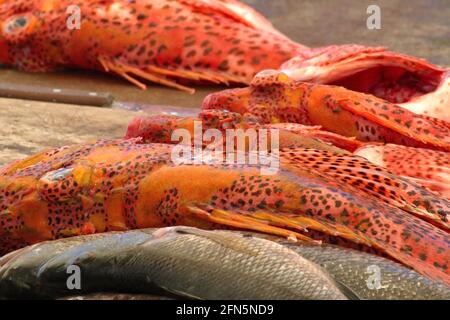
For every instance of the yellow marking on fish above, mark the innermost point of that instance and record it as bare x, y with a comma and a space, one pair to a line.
34, 213
82, 175
114, 207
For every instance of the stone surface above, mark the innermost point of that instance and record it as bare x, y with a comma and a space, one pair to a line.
28, 127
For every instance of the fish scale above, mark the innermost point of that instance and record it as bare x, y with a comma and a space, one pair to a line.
359, 271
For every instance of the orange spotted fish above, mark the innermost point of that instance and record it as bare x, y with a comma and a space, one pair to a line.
125, 184
360, 173
274, 97
428, 168
161, 41
411, 82
159, 129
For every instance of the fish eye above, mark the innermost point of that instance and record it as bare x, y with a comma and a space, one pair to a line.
21, 22
15, 24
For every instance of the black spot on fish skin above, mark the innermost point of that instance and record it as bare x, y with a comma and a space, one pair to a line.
141, 50
162, 48
223, 66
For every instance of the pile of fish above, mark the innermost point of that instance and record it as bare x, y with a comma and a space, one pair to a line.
183, 262
358, 209
127, 184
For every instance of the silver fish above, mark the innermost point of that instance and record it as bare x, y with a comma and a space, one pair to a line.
370, 276
187, 262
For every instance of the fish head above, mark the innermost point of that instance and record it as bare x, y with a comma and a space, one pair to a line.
156, 129
224, 119
16, 24
28, 38
268, 91
392, 76
234, 100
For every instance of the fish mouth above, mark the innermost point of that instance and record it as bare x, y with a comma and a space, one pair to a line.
234, 100
133, 128
157, 128
394, 77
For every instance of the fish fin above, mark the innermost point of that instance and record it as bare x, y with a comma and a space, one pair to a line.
303, 223
185, 74
395, 196
442, 188
343, 142
398, 119
437, 122
370, 179
329, 55
216, 77
346, 291
428, 168
220, 238
236, 11
125, 70
178, 293
244, 221
280, 224
24, 163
